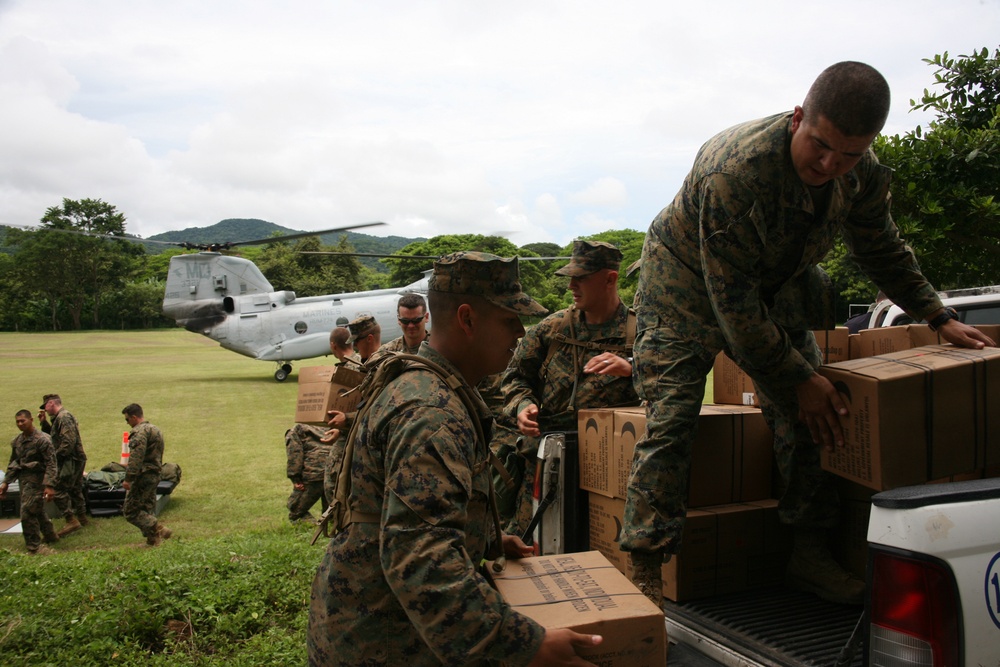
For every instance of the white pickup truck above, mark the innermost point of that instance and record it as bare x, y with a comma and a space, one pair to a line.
933, 584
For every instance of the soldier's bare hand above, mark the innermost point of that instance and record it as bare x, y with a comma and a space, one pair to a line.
820, 408
527, 421
963, 335
337, 419
559, 648
513, 547
3, 490
609, 363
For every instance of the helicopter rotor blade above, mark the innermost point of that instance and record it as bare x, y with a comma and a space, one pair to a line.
337, 253
299, 235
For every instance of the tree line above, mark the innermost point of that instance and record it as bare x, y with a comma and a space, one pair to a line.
79, 271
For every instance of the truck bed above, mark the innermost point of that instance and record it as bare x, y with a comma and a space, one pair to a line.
773, 627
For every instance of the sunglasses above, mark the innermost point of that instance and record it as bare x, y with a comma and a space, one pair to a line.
410, 320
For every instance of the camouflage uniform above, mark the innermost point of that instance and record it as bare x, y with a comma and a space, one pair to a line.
731, 265
72, 462
399, 345
307, 460
553, 381
400, 586
33, 464
145, 446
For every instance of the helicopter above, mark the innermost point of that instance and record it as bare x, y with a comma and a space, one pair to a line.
229, 300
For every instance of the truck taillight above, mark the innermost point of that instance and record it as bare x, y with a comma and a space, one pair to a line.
914, 613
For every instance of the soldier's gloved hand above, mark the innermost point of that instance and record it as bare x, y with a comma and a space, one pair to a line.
527, 421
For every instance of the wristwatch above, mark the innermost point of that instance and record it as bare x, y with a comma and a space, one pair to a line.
948, 314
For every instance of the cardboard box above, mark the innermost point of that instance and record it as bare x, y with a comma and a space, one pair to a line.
322, 388
581, 591
731, 459
916, 415
886, 340
732, 386
597, 473
724, 549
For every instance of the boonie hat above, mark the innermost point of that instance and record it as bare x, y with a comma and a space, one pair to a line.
361, 327
589, 257
493, 278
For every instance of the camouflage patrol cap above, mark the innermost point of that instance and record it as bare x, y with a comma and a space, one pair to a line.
589, 257
493, 278
361, 327
48, 397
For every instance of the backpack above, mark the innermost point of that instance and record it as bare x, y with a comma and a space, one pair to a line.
381, 372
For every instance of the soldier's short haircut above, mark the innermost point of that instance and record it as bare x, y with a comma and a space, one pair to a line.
851, 95
23, 413
340, 337
132, 410
411, 300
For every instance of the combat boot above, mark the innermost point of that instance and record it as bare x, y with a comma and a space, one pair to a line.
647, 575
42, 550
72, 525
51, 538
83, 519
812, 569
162, 533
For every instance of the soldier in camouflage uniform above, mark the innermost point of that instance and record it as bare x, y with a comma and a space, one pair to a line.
71, 460
307, 460
366, 336
33, 465
731, 265
145, 446
341, 346
400, 585
575, 358
411, 312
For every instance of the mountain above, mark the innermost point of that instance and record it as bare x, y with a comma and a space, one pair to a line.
249, 229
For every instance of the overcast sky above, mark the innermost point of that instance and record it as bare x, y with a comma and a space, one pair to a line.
542, 120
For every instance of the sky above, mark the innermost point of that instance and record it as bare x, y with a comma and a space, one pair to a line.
537, 120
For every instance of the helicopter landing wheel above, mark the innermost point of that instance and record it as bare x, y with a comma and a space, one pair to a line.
282, 373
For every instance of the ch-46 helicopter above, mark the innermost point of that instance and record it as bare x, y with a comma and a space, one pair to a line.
229, 300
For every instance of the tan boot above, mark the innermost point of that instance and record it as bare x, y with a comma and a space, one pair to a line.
50, 539
42, 550
647, 575
162, 533
83, 519
812, 569
72, 525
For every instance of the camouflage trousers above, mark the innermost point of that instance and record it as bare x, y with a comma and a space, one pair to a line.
69, 489
301, 501
140, 502
671, 378
35, 524
337, 451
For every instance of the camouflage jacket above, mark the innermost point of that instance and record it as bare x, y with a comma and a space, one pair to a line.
32, 459
145, 446
406, 589
731, 262
535, 376
399, 345
65, 434
307, 455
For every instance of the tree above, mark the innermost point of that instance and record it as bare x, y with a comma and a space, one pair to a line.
287, 268
946, 181
69, 268
404, 271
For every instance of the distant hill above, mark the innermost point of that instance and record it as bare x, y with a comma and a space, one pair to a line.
249, 229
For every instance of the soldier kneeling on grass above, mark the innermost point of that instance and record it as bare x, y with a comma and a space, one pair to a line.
145, 445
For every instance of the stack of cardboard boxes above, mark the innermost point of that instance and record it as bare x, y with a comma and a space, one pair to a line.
732, 539
920, 412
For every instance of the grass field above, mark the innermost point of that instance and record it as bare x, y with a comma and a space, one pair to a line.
223, 417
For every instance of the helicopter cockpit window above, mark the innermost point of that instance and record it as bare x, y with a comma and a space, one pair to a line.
301, 327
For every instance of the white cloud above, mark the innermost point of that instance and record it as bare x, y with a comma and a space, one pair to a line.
545, 120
